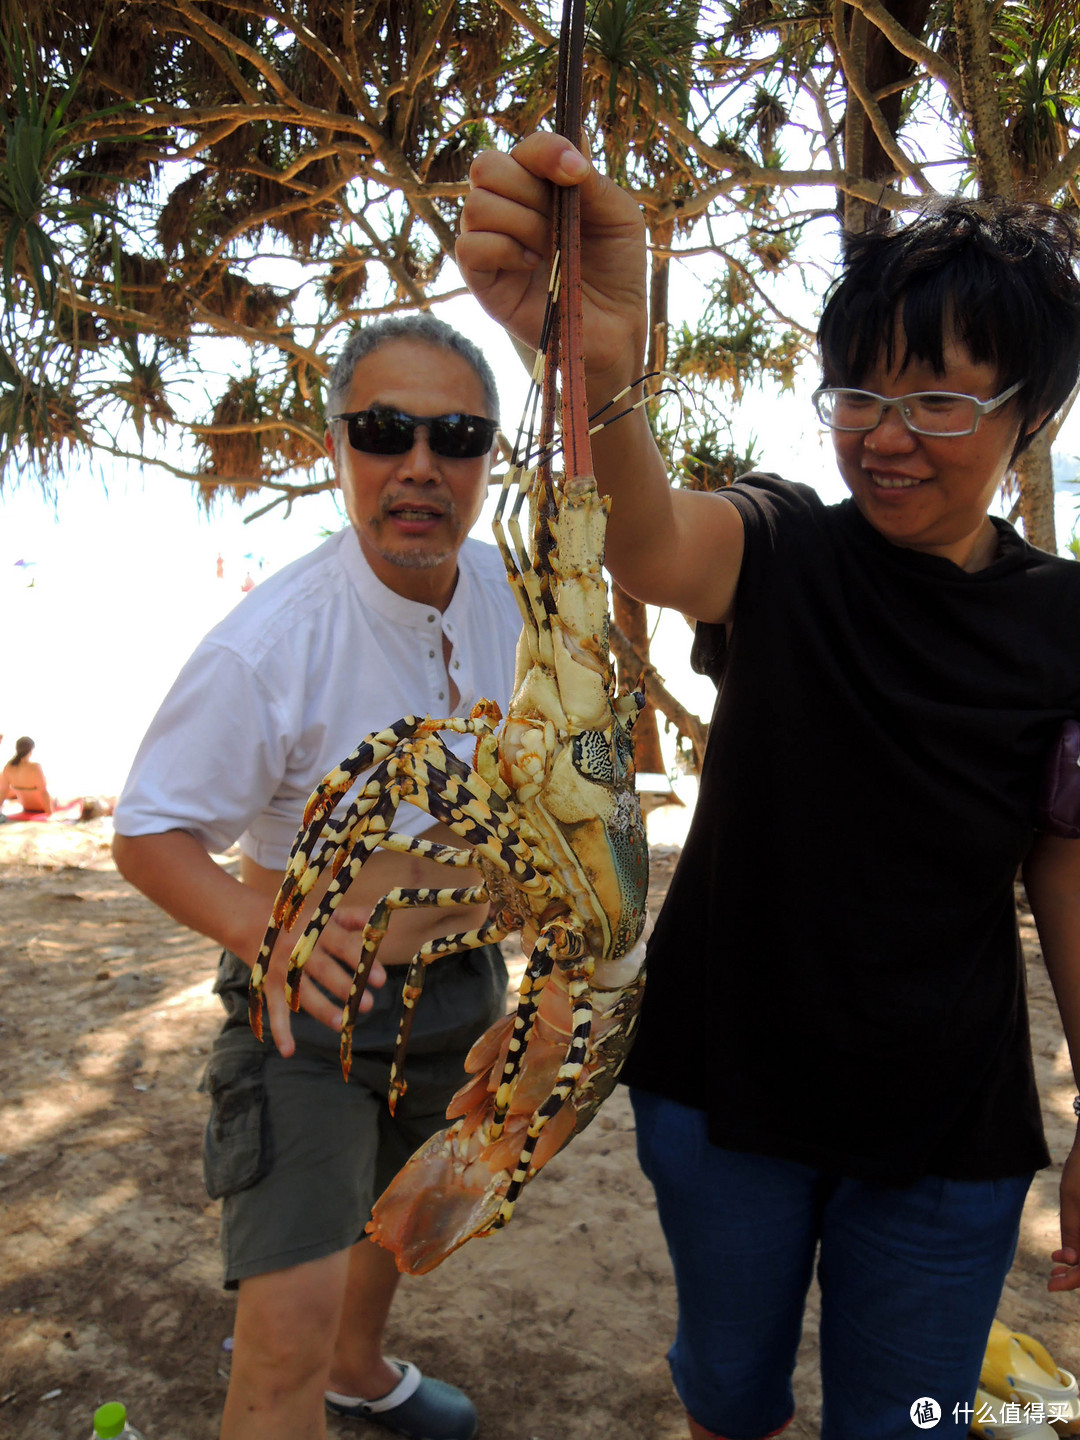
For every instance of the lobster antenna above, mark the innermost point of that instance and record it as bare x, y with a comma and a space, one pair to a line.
524, 454
568, 343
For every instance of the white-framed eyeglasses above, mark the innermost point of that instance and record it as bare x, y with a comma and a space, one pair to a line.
927, 412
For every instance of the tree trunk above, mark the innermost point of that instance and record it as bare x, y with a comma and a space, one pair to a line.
687, 724
996, 180
856, 211
882, 67
972, 20
632, 621
660, 271
885, 68
1036, 478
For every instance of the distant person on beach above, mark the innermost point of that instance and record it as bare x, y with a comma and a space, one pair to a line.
397, 614
23, 780
833, 1060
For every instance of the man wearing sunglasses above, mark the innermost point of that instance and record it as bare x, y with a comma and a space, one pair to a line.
397, 614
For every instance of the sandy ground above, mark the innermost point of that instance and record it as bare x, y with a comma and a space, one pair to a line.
109, 1280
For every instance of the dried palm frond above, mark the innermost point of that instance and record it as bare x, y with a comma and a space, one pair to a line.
139, 275
707, 463
176, 216
236, 455
38, 422
346, 278
142, 387
236, 298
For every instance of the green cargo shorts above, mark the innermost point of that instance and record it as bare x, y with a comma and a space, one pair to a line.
298, 1156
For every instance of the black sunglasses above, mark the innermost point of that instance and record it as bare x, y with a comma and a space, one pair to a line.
391, 432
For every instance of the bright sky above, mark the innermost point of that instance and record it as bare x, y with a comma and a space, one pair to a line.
103, 597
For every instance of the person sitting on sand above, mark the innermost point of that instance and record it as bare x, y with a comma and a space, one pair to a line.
24, 780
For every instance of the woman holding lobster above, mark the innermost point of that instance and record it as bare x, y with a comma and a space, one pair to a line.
833, 1057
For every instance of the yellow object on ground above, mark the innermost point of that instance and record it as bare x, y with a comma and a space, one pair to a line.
1022, 1418
1017, 1367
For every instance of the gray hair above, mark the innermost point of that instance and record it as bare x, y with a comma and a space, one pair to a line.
423, 326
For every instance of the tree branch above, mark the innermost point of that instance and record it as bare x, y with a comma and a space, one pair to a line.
142, 320
855, 77
903, 40
311, 43
290, 493
744, 173
634, 663
744, 271
255, 427
1060, 174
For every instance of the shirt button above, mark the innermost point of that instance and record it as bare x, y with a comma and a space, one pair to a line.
430, 619
441, 695
431, 654
457, 664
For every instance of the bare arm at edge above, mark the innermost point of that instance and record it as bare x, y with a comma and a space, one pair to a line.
1052, 881
668, 547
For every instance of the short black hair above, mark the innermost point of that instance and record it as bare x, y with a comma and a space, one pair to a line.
421, 326
999, 276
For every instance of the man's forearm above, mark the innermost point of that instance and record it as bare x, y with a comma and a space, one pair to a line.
174, 871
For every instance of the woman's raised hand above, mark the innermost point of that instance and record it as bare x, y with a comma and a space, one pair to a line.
504, 252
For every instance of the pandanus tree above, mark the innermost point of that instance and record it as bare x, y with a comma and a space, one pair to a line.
917, 97
175, 173
197, 195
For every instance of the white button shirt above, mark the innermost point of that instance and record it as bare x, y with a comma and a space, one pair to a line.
310, 662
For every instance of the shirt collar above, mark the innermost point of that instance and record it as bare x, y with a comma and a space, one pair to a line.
388, 603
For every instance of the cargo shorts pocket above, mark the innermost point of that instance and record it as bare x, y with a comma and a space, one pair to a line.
235, 1143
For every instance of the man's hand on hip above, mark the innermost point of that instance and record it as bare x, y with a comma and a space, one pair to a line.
332, 963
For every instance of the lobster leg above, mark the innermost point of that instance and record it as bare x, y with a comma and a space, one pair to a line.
366, 825
535, 978
429, 849
556, 942
414, 985
430, 777
301, 952
477, 812
383, 750
375, 930
382, 839
569, 1074
375, 748
305, 866
369, 752
357, 849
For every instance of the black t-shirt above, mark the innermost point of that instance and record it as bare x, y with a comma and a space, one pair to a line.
835, 975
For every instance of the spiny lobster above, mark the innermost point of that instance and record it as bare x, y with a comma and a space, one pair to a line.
548, 815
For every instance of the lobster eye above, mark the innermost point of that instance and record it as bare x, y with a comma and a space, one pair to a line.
628, 707
592, 756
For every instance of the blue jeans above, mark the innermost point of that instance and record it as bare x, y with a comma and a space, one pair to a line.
910, 1278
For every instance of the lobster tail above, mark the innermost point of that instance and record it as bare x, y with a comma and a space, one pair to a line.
455, 1186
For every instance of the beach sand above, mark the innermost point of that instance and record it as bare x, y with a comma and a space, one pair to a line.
109, 1271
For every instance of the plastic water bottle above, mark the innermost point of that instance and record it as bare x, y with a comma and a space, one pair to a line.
111, 1423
